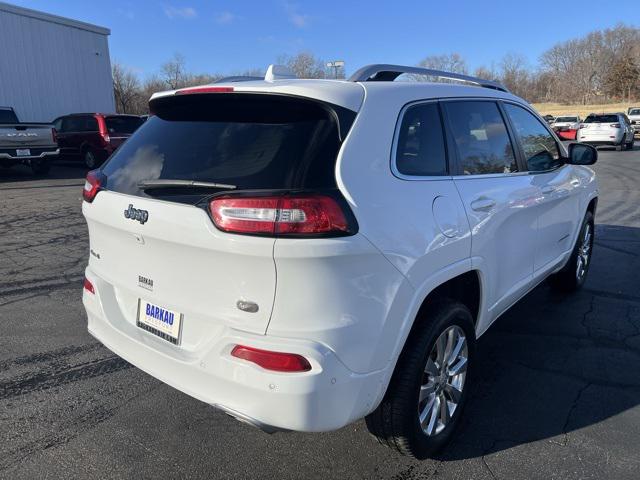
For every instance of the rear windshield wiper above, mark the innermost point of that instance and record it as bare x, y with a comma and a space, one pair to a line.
167, 183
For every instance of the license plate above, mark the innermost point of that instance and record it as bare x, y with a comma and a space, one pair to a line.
160, 321
23, 152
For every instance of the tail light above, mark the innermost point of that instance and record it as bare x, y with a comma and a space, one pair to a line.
615, 125
54, 135
102, 128
276, 361
191, 90
93, 184
293, 215
88, 286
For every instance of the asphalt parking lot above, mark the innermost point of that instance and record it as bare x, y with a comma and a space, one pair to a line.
557, 391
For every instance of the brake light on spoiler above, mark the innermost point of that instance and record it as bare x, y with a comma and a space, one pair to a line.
192, 90
296, 215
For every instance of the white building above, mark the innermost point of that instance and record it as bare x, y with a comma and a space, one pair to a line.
51, 66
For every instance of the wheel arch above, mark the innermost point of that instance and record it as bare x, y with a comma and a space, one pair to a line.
465, 287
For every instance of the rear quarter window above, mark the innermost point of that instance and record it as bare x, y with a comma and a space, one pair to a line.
123, 124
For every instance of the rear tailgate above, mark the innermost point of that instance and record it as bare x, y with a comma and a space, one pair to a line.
178, 260
26, 135
170, 253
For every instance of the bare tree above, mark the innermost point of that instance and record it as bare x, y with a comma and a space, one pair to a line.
451, 62
304, 65
126, 88
514, 74
622, 79
486, 73
174, 72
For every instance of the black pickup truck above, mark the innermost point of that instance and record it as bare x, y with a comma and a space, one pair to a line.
31, 144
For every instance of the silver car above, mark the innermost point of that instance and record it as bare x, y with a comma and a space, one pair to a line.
607, 129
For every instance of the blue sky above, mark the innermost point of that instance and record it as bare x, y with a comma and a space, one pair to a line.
223, 36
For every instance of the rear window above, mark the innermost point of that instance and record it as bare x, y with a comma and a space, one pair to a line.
602, 119
122, 124
566, 119
634, 111
7, 116
250, 141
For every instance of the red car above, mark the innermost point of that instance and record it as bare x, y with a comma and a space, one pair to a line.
93, 137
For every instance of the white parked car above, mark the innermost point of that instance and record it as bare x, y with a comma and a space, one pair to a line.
569, 122
634, 118
305, 253
607, 129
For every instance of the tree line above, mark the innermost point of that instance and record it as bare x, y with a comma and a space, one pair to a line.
600, 67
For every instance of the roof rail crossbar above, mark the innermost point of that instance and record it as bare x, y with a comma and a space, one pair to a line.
388, 73
238, 78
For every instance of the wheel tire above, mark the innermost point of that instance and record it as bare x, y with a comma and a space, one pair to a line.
39, 167
90, 160
396, 423
630, 144
620, 146
569, 279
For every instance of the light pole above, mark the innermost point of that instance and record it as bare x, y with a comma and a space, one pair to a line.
336, 64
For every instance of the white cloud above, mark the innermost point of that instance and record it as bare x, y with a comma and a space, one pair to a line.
225, 18
179, 12
127, 13
299, 20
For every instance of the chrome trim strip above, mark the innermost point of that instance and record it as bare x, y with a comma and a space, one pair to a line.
42, 155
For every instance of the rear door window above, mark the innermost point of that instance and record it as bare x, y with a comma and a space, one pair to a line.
251, 141
481, 138
126, 125
90, 124
73, 124
420, 150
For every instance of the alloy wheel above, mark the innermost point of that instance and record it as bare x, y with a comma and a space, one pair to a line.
584, 253
443, 380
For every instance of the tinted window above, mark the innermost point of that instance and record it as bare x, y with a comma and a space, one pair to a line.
539, 146
634, 111
566, 119
89, 124
481, 138
420, 148
8, 116
247, 140
602, 119
123, 124
73, 124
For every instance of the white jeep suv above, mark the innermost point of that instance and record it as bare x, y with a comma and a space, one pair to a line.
305, 253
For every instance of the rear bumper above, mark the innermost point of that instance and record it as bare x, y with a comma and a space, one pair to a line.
325, 398
9, 155
605, 139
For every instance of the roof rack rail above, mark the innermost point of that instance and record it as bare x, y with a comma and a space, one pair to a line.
238, 78
388, 73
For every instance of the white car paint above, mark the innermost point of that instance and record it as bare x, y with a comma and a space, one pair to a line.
346, 304
571, 122
606, 133
634, 116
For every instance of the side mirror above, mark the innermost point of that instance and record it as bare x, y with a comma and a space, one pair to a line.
582, 154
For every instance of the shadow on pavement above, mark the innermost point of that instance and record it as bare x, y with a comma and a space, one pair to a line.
60, 170
554, 364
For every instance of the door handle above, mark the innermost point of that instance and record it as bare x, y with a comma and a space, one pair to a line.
547, 189
483, 204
